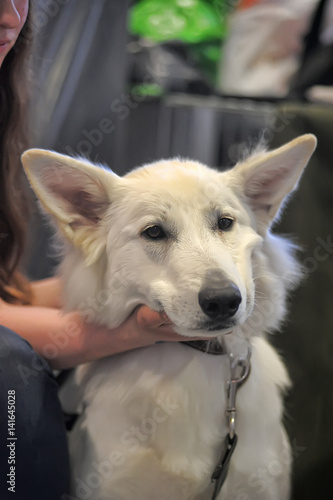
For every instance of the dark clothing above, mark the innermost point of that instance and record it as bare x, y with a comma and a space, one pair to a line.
35, 464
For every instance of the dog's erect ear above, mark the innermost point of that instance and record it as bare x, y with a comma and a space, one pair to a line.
270, 176
75, 192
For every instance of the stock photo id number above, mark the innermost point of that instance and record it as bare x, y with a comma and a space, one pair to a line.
11, 442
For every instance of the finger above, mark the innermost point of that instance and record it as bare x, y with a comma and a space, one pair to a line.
149, 318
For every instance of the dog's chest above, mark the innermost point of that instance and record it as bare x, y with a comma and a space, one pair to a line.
157, 416
169, 399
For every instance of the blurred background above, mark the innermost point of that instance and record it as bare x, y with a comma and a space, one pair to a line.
125, 83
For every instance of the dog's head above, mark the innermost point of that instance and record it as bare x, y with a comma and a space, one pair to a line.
175, 235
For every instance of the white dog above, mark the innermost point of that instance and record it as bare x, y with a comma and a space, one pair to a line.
195, 243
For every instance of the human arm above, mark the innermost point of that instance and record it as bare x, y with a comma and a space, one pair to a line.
46, 292
65, 340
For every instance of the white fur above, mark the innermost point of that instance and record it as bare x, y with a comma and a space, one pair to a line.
152, 421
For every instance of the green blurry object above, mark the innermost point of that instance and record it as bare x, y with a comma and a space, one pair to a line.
147, 89
189, 21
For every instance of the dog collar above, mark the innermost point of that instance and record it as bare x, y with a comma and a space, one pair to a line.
207, 346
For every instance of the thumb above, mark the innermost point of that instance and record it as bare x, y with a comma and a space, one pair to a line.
148, 318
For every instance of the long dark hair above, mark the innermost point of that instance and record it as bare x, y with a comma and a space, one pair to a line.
14, 203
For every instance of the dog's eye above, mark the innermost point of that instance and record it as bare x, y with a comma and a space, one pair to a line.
154, 233
225, 223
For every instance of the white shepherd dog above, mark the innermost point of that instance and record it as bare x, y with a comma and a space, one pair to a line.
155, 423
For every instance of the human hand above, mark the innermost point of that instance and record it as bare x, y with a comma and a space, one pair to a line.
144, 327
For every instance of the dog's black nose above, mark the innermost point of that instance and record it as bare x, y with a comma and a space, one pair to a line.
220, 302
